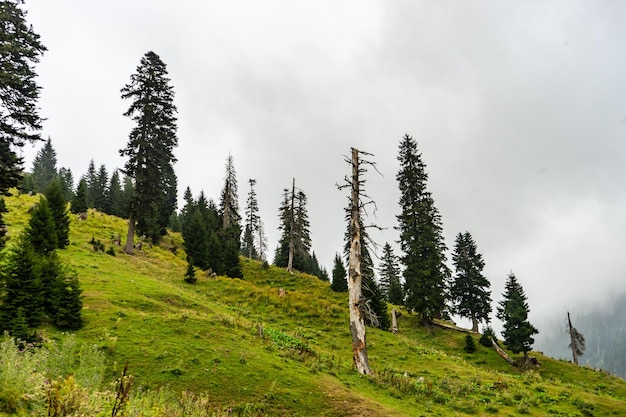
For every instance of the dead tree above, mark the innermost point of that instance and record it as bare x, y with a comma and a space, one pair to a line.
292, 227
394, 321
356, 302
577, 340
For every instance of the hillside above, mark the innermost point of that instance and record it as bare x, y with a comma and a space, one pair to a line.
204, 338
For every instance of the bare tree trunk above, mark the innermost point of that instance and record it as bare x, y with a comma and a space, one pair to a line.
130, 236
292, 246
357, 322
474, 324
502, 353
394, 321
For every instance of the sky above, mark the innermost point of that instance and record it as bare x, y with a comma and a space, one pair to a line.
518, 108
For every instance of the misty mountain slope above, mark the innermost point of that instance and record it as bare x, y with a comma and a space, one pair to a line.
204, 337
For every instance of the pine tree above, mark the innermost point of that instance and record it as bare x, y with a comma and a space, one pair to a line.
252, 244
389, 271
70, 304
3, 226
425, 272
229, 200
196, 239
513, 311
66, 179
45, 167
294, 245
190, 274
41, 229
577, 340
99, 190
19, 118
340, 276
150, 147
80, 202
91, 179
470, 291
60, 216
114, 193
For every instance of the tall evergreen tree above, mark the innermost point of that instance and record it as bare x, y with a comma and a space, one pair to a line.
80, 201
99, 190
513, 311
41, 229
252, 244
150, 147
3, 226
19, 116
470, 291
66, 179
196, 239
230, 234
294, 245
68, 315
390, 272
58, 209
340, 276
114, 193
425, 274
44, 167
91, 179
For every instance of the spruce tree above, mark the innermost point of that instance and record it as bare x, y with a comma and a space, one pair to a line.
513, 311
253, 246
230, 234
196, 239
80, 201
60, 216
294, 245
340, 276
91, 179
70, 304
3, 226
150, 147
44, 167
190, 274
99, 190
389, 272
66, 179
114, 193
41, 229
419, 223
19, 115
470, 291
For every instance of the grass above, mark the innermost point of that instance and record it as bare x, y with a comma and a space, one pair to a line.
200, 344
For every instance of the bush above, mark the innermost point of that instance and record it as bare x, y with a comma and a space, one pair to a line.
470, 345
485, 338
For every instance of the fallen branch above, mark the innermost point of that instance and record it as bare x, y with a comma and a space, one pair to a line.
502, 353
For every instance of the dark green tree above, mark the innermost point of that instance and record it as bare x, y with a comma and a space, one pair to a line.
470, 344
60, 216
419, 223
170, 202
513, 312
115, 195
190, 274
44, 167
294, 245
41, 229
230, 235
19, 115
91, 179
80, 201
70, 304
487, 336
340, 276
390, 273
252, 227
3, 226
150, 147
99, 190
470, 290
22, 288
67, 183
196, 239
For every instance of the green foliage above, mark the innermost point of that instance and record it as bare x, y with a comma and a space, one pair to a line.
41, 229
470, 291
470, 344
19, 118
44, 167
513, 311
390, 276
340, 276
3, 226
80, 202
487, 336
190, 275
97, 245
58, 210
150, 146
419, 223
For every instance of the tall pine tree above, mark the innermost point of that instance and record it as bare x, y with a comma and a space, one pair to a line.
58, 209
44, 167
230, 234
150, 147
419, 223
80, 201
390, 276
19, 116
340, 275
470, 291
513, 311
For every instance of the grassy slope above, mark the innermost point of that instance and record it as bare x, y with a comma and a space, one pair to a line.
204, 338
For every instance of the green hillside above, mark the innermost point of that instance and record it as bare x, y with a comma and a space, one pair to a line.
202, 341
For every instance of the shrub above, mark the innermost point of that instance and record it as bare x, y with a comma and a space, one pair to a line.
470, 345
485, 338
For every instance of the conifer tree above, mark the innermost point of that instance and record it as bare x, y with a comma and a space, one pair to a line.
70, 304
513, 311
190, 274
150, 147
41, 229
3, 226
196, 239
294, 245
99, 190
577, 341
389, 272
114, 193
91, 179
66, 179
19, 116
60, 216
230, 234
470, 291
340, 276
80, 202
252, 244
419, 223
44, 167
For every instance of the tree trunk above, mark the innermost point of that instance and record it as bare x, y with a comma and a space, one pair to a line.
357, 322
502, 353
572, 341
394, 321
474, 324
130, 236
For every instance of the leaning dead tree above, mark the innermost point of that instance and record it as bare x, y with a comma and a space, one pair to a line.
577, 340
357, 303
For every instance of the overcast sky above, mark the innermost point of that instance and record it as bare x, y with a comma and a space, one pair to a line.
518, 107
